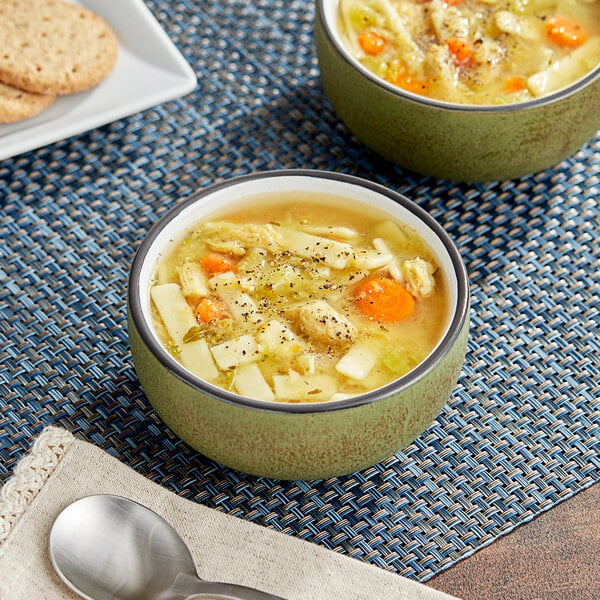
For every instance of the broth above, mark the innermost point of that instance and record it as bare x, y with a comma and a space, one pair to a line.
299, 298
482, 52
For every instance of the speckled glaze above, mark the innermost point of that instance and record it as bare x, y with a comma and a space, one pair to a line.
296, 441
465, 143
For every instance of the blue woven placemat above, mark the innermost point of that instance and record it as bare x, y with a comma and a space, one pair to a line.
521, 432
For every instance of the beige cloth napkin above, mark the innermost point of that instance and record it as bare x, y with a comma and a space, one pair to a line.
60, 469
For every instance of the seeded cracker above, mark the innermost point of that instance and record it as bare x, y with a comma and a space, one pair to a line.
16, 104
53, 47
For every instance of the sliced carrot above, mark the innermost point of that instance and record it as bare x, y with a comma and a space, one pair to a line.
416, 86
404, 80
371, 42
384, 299
565, 32
216, 262
453, 2
514, 84
209, 309
461, 49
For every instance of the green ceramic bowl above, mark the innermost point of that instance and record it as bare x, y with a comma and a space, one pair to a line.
452, 141
295, 441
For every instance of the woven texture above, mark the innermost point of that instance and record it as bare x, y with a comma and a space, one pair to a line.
521, 432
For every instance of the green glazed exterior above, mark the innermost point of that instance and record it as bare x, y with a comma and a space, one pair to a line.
277, 439
290, 445
452, 142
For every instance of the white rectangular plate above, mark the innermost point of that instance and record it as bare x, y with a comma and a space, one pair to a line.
149, 71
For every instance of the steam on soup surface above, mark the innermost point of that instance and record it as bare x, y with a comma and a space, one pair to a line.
475, 51
275, 302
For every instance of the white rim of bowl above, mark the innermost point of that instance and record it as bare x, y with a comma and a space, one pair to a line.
168, 230
327, 11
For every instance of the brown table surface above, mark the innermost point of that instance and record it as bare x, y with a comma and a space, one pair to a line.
554, 557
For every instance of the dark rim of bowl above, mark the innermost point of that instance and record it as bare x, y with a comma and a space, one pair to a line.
560, 94
445, 345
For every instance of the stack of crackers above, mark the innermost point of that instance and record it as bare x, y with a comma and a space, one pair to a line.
49, 48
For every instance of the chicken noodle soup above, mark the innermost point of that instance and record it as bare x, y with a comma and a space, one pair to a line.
275, 302
481, 52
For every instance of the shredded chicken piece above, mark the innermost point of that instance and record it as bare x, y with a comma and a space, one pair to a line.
321, 322
418, 274
219, 235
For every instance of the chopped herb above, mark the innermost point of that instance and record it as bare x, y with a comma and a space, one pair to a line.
193, 334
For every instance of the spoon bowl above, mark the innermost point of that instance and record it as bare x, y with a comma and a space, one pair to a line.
107, 547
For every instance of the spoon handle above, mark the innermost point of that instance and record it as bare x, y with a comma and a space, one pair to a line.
187, 586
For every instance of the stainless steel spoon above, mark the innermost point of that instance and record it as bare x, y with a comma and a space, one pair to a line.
110, 548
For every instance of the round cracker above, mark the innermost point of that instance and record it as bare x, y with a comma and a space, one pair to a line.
16, 104
53, 47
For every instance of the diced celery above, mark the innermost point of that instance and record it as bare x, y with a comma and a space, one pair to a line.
399, 361
279, 345
284, 278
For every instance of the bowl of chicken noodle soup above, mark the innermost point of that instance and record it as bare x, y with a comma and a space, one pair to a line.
298, 324
470, 90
